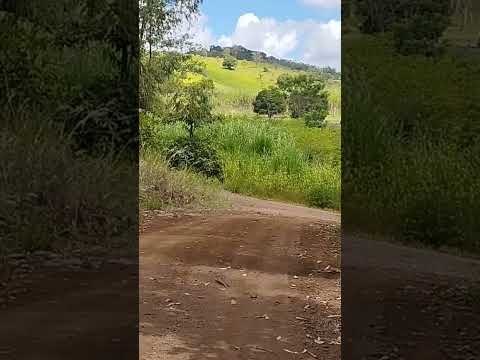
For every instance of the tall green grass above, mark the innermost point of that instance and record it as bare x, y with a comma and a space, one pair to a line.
264, 159
55, 198
410, 167
163, 188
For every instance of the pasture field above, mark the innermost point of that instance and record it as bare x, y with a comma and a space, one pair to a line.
236, 89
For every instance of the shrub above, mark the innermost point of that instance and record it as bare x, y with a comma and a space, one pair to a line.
283, 160
195, 154
229, 63
316, 118
269, 102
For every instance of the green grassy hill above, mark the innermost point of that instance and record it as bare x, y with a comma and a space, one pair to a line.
236, 89
248, 77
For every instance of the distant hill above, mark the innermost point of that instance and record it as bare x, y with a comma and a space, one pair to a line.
235, 90
242, 53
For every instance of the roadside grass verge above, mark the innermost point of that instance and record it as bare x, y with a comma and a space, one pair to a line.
163, 188
264, 159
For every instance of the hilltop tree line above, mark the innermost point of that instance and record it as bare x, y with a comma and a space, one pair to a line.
241, 53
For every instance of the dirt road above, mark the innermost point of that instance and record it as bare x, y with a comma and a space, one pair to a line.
254, 282
400, 302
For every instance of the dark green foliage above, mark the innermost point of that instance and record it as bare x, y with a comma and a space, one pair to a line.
148, 131
307, 97
322, 199
377, 16
72, 68
69, 124
316, 118
215, 51
195, 154
229, 63
269, 102
421, 33
155, 71
410, 169
417, 25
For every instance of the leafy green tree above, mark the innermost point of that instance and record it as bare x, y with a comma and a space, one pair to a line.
269, 102
229, 62
157, 19
192, 104
305, 93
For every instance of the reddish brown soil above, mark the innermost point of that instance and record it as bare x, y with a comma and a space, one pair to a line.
406, 303
242, 284
71, 314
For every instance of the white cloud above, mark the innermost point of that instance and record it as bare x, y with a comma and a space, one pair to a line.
308, 41
245, 20
197, 30
201, 33
322, 44
322, 3
225, 41
266, 34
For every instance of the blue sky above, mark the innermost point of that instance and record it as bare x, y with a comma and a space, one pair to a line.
303, 30
224, 18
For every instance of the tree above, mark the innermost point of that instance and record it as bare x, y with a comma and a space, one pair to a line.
157, 21
306, 96
305, 92
192, 104
315, 118
229, 62
158, 18
269, 102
